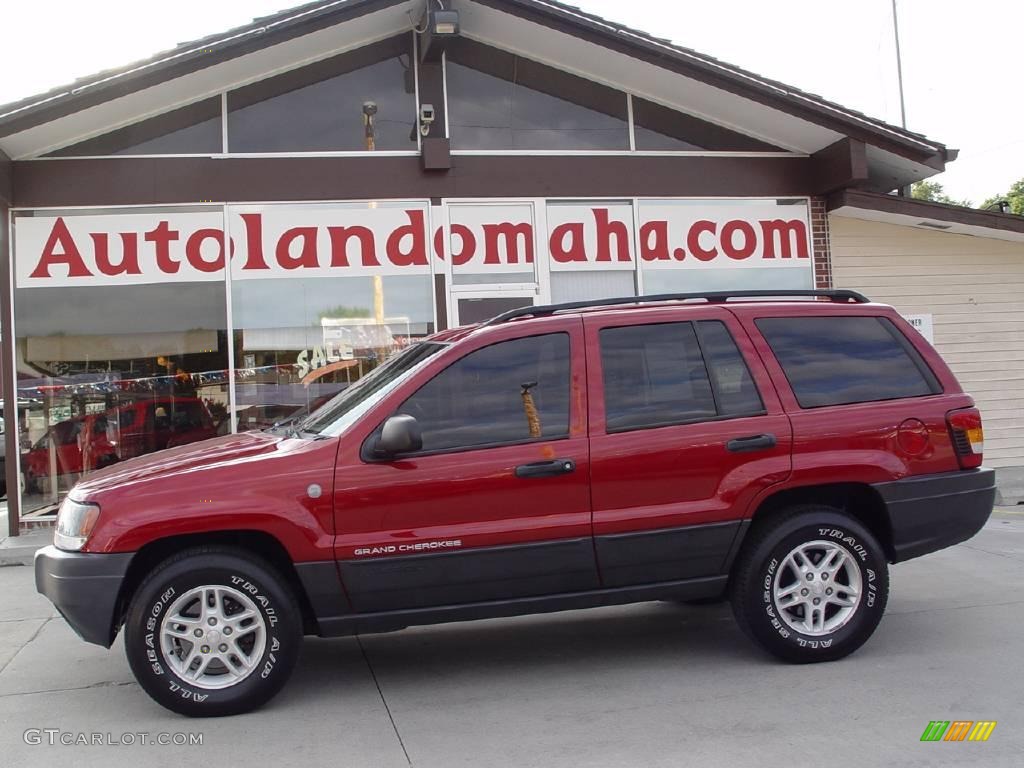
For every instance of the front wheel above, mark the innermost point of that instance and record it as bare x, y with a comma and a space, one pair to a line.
810, 585
213, 632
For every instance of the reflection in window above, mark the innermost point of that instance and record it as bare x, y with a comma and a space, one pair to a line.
299, 342
501, 101
839, 360
654, 375
505, 393
95, 390
735, 391
320, 108
195, 129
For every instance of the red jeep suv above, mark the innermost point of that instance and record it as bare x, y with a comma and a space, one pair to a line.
776, 450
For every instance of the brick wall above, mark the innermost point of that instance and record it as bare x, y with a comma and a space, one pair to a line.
821, 244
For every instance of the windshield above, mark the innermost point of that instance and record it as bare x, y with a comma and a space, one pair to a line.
339, 413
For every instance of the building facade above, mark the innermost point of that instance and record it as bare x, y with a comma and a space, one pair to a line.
217, 238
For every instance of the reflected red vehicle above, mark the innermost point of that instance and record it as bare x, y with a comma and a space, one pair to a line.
97, 440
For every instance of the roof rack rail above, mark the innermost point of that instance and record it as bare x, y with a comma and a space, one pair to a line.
710, 296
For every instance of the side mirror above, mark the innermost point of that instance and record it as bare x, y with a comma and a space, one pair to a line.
400, 434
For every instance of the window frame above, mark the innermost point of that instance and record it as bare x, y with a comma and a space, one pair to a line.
400, 397
713, 378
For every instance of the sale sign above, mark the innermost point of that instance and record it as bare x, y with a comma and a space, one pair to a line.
398, 238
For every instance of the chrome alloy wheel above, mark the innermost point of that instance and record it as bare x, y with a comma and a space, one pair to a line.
817, 588
213, 636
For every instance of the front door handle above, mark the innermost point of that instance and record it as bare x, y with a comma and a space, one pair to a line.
546, 468
752, 443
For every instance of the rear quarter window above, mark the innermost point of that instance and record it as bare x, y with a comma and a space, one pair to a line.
840, 360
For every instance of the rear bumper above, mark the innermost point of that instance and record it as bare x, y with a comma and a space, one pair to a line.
932, 512
84, 587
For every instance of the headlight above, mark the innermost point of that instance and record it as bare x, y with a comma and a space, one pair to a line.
75, 522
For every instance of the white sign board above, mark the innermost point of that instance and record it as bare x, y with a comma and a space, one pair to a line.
397, 238
923, 324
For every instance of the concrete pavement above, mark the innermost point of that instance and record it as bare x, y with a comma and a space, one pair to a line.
646, 685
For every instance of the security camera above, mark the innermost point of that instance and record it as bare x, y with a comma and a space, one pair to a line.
369, 108
427, 115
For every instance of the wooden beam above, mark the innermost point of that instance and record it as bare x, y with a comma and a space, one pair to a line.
839, 166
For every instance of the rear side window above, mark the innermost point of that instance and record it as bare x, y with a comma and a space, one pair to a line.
654, 375
841, 360
733, 385
509, 392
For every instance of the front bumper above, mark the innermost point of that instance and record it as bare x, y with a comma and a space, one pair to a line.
931, 512
84, 587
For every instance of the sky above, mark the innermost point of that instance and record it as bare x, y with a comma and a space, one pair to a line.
960, 59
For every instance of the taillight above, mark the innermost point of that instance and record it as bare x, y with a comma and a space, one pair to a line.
968, 436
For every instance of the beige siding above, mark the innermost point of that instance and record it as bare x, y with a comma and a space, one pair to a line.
974, 288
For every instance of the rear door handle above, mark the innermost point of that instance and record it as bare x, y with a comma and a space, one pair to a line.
752, 443
546, 468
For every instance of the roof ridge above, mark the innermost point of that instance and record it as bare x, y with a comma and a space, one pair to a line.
823, 106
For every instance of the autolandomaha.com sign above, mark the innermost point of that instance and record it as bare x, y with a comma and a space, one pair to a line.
395, 238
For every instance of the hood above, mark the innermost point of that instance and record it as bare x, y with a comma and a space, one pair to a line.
185, 458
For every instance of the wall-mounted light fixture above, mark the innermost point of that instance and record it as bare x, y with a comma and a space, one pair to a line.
439, 25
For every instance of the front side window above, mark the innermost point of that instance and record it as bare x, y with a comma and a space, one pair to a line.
654, 375
841, 360
509, 392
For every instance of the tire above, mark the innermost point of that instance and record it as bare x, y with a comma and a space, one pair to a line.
261, 655
770, 566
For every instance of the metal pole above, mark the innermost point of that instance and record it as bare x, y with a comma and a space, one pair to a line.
899, 64
907, 190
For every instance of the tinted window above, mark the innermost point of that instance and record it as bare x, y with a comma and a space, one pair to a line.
187, 416
319, 108
479, 399
654, 375
497, 100
734, 388
195, 129
837, 360
663, 129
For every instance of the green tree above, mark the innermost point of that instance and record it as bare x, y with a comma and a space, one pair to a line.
933, 192
344, 311
1015, 197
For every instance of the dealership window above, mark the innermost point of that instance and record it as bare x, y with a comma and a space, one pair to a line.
591, 250
841, 360
322, 107
659, 128
689, 246
195, 129
107, 372
301, 340
491, 243
654, 376
500, 101
509, 392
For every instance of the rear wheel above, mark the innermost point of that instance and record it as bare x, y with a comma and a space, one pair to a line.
810, 585
213, 632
